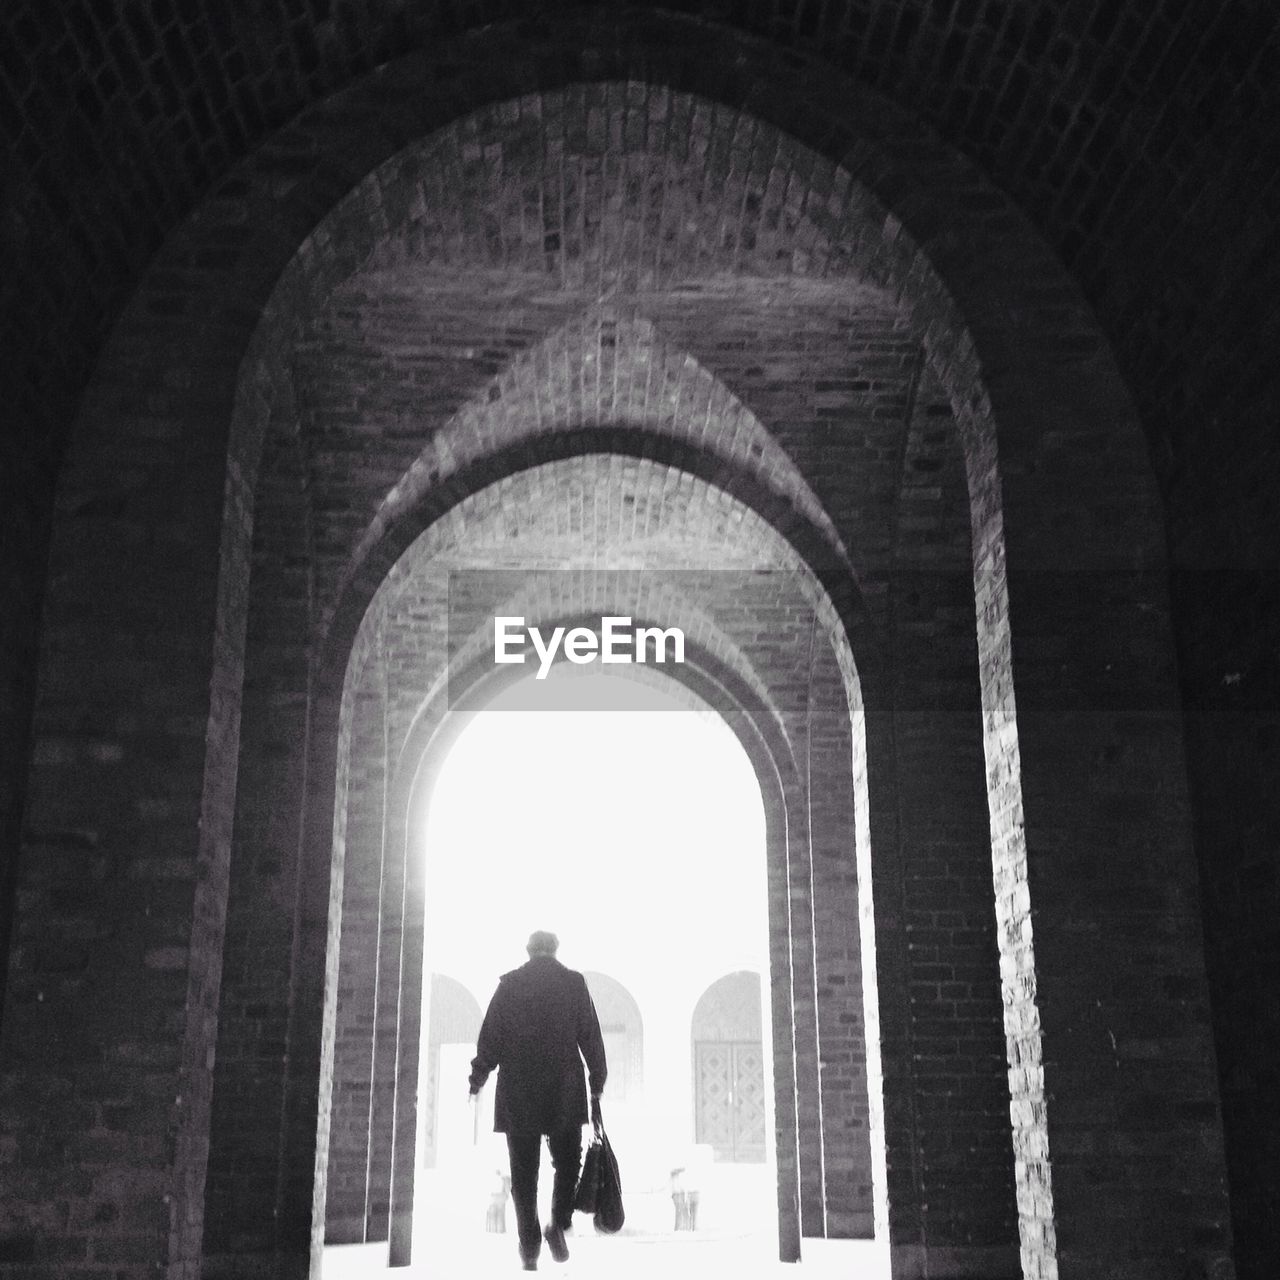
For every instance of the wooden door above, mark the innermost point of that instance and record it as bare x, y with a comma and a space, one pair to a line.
729, 1099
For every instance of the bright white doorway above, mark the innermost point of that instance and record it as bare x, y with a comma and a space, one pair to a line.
638, 837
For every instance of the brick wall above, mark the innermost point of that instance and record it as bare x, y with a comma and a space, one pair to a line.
24, 500
130, 793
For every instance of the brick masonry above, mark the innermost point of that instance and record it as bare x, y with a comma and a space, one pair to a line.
146, 472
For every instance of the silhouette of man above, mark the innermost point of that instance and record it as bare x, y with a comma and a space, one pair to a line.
539, 1027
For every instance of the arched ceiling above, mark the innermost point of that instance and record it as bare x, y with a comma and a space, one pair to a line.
600, 366
509, 278
1137, 137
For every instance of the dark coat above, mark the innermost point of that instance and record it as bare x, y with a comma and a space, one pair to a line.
539, 1018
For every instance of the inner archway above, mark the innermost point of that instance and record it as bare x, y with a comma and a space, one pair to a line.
422, 648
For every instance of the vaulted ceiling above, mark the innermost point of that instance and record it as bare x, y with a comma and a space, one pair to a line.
1137, 136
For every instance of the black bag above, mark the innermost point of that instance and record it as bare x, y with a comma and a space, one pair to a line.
600, 1186
588, 1192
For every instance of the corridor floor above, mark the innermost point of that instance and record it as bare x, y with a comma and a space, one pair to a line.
620, 1258
736, 1237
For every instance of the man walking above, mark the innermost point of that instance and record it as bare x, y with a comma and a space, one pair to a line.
539, 1027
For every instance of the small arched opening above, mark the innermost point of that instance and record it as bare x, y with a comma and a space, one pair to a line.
729, 1095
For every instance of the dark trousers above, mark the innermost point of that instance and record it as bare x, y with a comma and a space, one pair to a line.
525, 1150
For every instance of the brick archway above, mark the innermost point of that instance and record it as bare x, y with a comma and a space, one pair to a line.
1020, 361
721, 677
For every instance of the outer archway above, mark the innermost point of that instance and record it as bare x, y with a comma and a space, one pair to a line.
1049, 385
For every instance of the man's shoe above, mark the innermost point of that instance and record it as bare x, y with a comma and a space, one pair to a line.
529, 1258
554, 1236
